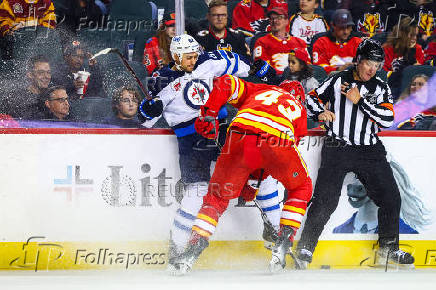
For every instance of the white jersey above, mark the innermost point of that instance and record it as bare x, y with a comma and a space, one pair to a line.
183, 93
306, 29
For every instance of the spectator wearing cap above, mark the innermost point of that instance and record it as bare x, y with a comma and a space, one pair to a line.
75, 56
24, 102
335, 51
250, 15
306, 23
218, 36
276, 45
157, 49
125, 103
56, 106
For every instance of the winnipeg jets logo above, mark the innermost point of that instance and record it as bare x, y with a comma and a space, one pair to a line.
196, 93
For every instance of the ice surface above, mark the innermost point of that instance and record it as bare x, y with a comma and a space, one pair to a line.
223, 280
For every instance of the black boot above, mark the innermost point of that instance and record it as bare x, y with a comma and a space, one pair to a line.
269, 236
280, 249
390, 253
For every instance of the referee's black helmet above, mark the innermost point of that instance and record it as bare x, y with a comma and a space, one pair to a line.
370, 49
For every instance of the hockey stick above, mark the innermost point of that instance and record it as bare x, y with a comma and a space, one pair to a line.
128, 67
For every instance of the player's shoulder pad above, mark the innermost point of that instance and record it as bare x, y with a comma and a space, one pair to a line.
209, 56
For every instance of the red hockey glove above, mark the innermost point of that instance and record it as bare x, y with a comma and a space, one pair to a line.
206, 124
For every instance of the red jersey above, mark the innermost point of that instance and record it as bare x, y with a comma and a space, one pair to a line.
261, 108
275, 51
152, 56
250, 16
390, 56
39, 13
331, 54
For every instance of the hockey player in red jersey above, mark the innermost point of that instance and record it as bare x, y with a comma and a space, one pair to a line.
262, 137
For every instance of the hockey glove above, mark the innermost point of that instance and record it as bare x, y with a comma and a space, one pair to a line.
398, 64
149, 109
263, 70
206, 124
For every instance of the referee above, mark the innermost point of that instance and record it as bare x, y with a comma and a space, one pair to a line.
354, 104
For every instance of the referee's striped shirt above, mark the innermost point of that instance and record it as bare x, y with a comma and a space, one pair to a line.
355, 124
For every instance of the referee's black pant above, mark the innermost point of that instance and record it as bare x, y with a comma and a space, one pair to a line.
371, 167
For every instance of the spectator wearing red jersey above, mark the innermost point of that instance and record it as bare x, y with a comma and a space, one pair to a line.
17, 14
275, 46
157, 49
335, 50
251, 15
401, 50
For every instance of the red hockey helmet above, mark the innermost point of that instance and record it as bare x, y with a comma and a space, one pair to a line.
295, 89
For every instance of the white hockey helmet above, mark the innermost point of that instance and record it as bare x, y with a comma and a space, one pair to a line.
183, 43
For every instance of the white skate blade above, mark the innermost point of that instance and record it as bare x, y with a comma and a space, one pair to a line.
179, 270
268, 245
275, 266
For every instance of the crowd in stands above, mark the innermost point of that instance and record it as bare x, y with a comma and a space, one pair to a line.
46, 45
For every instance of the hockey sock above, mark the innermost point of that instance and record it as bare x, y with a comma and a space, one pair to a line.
206, 222
187, 213
268, 199
293, 213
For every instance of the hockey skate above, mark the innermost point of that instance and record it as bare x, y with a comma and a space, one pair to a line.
182, 264
302, 259
172, 254
269, 236
280, 249
391, 256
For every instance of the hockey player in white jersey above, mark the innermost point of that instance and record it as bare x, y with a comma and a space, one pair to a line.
180, 89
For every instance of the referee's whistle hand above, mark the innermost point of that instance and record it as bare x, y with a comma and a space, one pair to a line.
326, 116
353, 95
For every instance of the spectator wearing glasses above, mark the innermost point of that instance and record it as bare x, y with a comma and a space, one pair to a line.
56, 105
125, 102
276, 45
218, 36
23, 102
157, 49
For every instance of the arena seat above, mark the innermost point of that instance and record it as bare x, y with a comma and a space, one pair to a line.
319, 73
91, 109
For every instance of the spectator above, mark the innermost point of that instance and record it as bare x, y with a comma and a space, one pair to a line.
15, 15
23, 103
335, 50
78, 14
157, 49
125, 102
56, 105
300, 70
422, 11
276, 45
218, 36
418, 90
250, 15
401, 50
430, 51
305, 24
74, 60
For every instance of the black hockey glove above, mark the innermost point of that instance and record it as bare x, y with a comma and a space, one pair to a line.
149, 109
263, 70
398, 64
